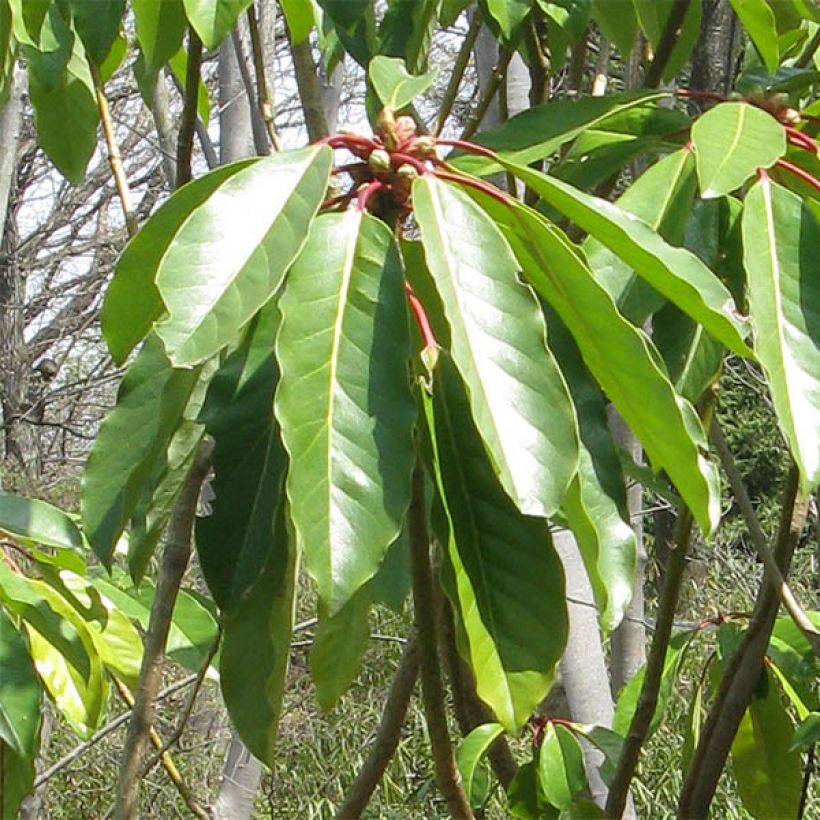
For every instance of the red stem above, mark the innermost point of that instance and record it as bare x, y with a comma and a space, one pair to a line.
489, 190
800, 173
398, 159
365, 193
695, 94
801, 140
427, 335
469, 147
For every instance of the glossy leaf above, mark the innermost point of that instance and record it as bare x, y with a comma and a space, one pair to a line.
500, 571
732, 141
19, 693
160, 26
781, 240
759, 21
38, 521
619, 356
675, 272
395, 87
338, 647
344, 402
468, 759
150, 403
518, 398
230, 254
213, 19
97, 24
256, 646
391, 584
768, 774
560, 766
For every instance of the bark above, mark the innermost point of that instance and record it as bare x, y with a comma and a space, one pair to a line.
235, 131
332, 88
241, 773
310, 91
716, 51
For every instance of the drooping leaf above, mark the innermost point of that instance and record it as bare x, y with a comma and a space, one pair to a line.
160, 26
256, 645
781, 240
608, 742
338, 646
213, 19
38, 521
395, 87
406, 31
498, 345
344, 402
759, 21
560, 766
732, 140
391, 584
509, 14
19, 693
150, 403
47, 57
500, 570
27, 17
231, 253
234, 541
179, 68
97, 23
619, 356
18, 780
768, 774
675, 272
618, 23
468, 759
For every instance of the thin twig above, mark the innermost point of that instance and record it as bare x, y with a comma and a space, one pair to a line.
263, 95
758, 537
496, 78
187, 128
667, 43
462, 60
114, 156
808, 770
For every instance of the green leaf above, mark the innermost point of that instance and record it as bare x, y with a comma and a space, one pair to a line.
628, 697
608, 742
406, 31
230, 254
160, 26
39, 522
560, 766
48, 58
66, 117
498, 345
781, 242
619, 356
300, 19
179, 67
17, 775
97, 23
132, 302
759, 21
28, 17
256, 646
19, 693
675, 272
235, 540
807, 733
338, 647
662, 198
732, 140
653, 16
344, 402
500, 570
468, 757
524, 797
133, 436
509, 14
395, 87
538, 132
391, 584
213, 20
694, 722
618, 23
768, 774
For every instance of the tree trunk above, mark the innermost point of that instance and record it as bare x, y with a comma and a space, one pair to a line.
714, 56
241, 773
235, 130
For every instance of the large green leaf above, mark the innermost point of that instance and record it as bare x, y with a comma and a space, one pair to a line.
18, 779
500, 570
97, 23
518, 397
395, 87
537, 132
133, 436
662, 197
781, 240
132, 302
560, 766
468, 758
732, 141
38, 521
759, 21
407, 29
256, 645
675, 272
230, 254
619, 355
234, 541
213, 19
618, 23
767, 772
19, 692
344, 402
160, 26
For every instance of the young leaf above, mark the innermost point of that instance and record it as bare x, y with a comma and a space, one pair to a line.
619, 356
213, 19
19, 693
39, 522
468, 759
395, 87
759, 21
256, 646
732, 141
518, 398
500, 571
675, 272
768, 775
560, 766
97, 24
781, 241
344, 402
